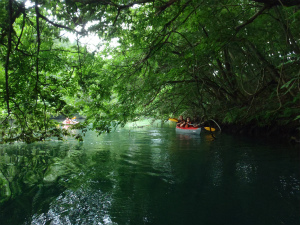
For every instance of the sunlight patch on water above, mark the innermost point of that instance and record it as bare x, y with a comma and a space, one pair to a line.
289, 187
82, 206
246, 168
217, 170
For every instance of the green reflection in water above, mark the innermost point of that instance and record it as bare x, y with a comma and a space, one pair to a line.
150, 176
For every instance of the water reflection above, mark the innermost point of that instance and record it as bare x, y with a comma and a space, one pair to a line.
27, 165
208, 137
186, 136
149, 176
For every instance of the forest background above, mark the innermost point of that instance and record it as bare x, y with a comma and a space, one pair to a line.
234, 61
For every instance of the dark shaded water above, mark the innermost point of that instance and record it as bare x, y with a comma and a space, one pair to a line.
150, 176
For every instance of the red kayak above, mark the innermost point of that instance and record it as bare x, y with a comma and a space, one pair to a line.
188, 130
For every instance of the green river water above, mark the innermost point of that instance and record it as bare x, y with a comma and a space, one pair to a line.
150, 175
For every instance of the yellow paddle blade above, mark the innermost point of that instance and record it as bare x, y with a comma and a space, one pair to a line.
74, 118
210, 128
173, 119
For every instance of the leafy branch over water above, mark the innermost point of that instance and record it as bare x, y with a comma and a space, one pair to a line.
234, 61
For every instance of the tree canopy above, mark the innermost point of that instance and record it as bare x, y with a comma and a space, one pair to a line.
232, 60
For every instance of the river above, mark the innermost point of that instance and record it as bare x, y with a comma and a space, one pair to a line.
150, 175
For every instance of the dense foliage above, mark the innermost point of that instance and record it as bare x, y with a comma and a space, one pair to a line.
232, 60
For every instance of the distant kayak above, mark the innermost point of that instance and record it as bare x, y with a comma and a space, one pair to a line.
188, 130
71, 122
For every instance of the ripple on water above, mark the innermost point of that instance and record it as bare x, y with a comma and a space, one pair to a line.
151, 177
81, 206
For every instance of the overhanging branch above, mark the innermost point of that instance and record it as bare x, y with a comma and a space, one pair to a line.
55, 24
279, 2
253, 17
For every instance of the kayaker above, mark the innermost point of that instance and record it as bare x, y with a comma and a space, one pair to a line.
188, 122
68, 121
180, 121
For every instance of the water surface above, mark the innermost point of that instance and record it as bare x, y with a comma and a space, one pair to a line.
150, 175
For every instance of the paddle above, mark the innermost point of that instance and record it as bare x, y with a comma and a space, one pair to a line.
210, 128
206, 128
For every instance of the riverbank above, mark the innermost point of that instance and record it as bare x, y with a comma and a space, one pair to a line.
290, 133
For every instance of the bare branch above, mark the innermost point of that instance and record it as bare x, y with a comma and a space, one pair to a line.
279, 2
55, 24
108, 2
114, 23
163, 8
253, 17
